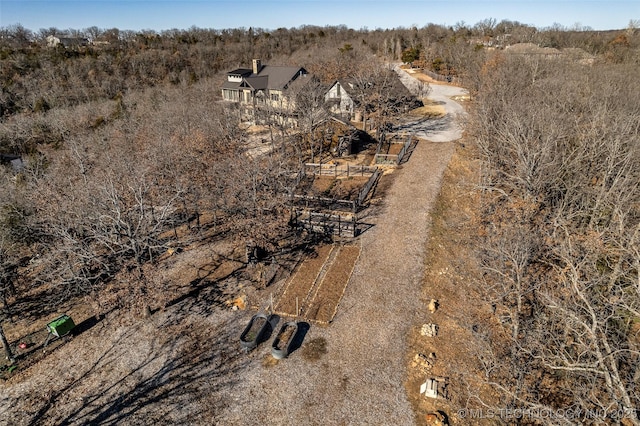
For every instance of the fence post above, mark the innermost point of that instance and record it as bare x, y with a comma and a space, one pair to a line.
353, 218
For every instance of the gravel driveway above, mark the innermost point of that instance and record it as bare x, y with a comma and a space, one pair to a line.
448, 128
360, 379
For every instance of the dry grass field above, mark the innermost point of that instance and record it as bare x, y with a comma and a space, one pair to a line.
429, 110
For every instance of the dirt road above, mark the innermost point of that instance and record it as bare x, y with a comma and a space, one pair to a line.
445, 129
360, 378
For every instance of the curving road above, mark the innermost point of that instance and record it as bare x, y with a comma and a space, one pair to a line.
446, 129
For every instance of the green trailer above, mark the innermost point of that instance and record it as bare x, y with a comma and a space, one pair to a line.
59, 327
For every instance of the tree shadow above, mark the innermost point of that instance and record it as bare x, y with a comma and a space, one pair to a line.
34, 343
363, 227
163, 389
426, 125
87, 324
36, 305
206, 293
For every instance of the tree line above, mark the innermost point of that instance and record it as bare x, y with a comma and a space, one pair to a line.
560, 234
110, 182
35, 77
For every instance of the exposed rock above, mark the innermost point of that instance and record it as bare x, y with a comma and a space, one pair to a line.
429, 330
436, 418
433, 305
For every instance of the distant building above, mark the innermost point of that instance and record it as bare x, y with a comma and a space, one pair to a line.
345, 96
66, 42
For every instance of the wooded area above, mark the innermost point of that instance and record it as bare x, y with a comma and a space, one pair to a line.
128, 152
561, 232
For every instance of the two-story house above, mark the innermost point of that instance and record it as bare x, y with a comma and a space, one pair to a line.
340, 100
349, 99
262, 85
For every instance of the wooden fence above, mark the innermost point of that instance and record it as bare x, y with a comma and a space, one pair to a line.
362, 195
328, 215
395, 158
405, 149
310, 201
336, 170
343, 225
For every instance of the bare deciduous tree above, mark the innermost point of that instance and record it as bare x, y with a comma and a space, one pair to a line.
561, 204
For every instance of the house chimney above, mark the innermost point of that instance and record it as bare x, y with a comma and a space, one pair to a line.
257, 66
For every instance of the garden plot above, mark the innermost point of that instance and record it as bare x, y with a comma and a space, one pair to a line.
324, 304
302, 281
316, 288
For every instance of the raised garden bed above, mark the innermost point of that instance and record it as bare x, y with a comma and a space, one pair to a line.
324, 304
283, 341
254, 331
302, 281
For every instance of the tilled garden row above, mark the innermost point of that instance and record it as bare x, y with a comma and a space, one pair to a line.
316, 288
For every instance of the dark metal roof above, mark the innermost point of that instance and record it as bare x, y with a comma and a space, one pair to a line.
245, 72
269, 77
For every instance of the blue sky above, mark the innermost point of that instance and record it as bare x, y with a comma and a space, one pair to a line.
271, 14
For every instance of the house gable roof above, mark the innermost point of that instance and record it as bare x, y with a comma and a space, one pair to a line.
280, 77
256, 82
395, 87
345, 84
269, 77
